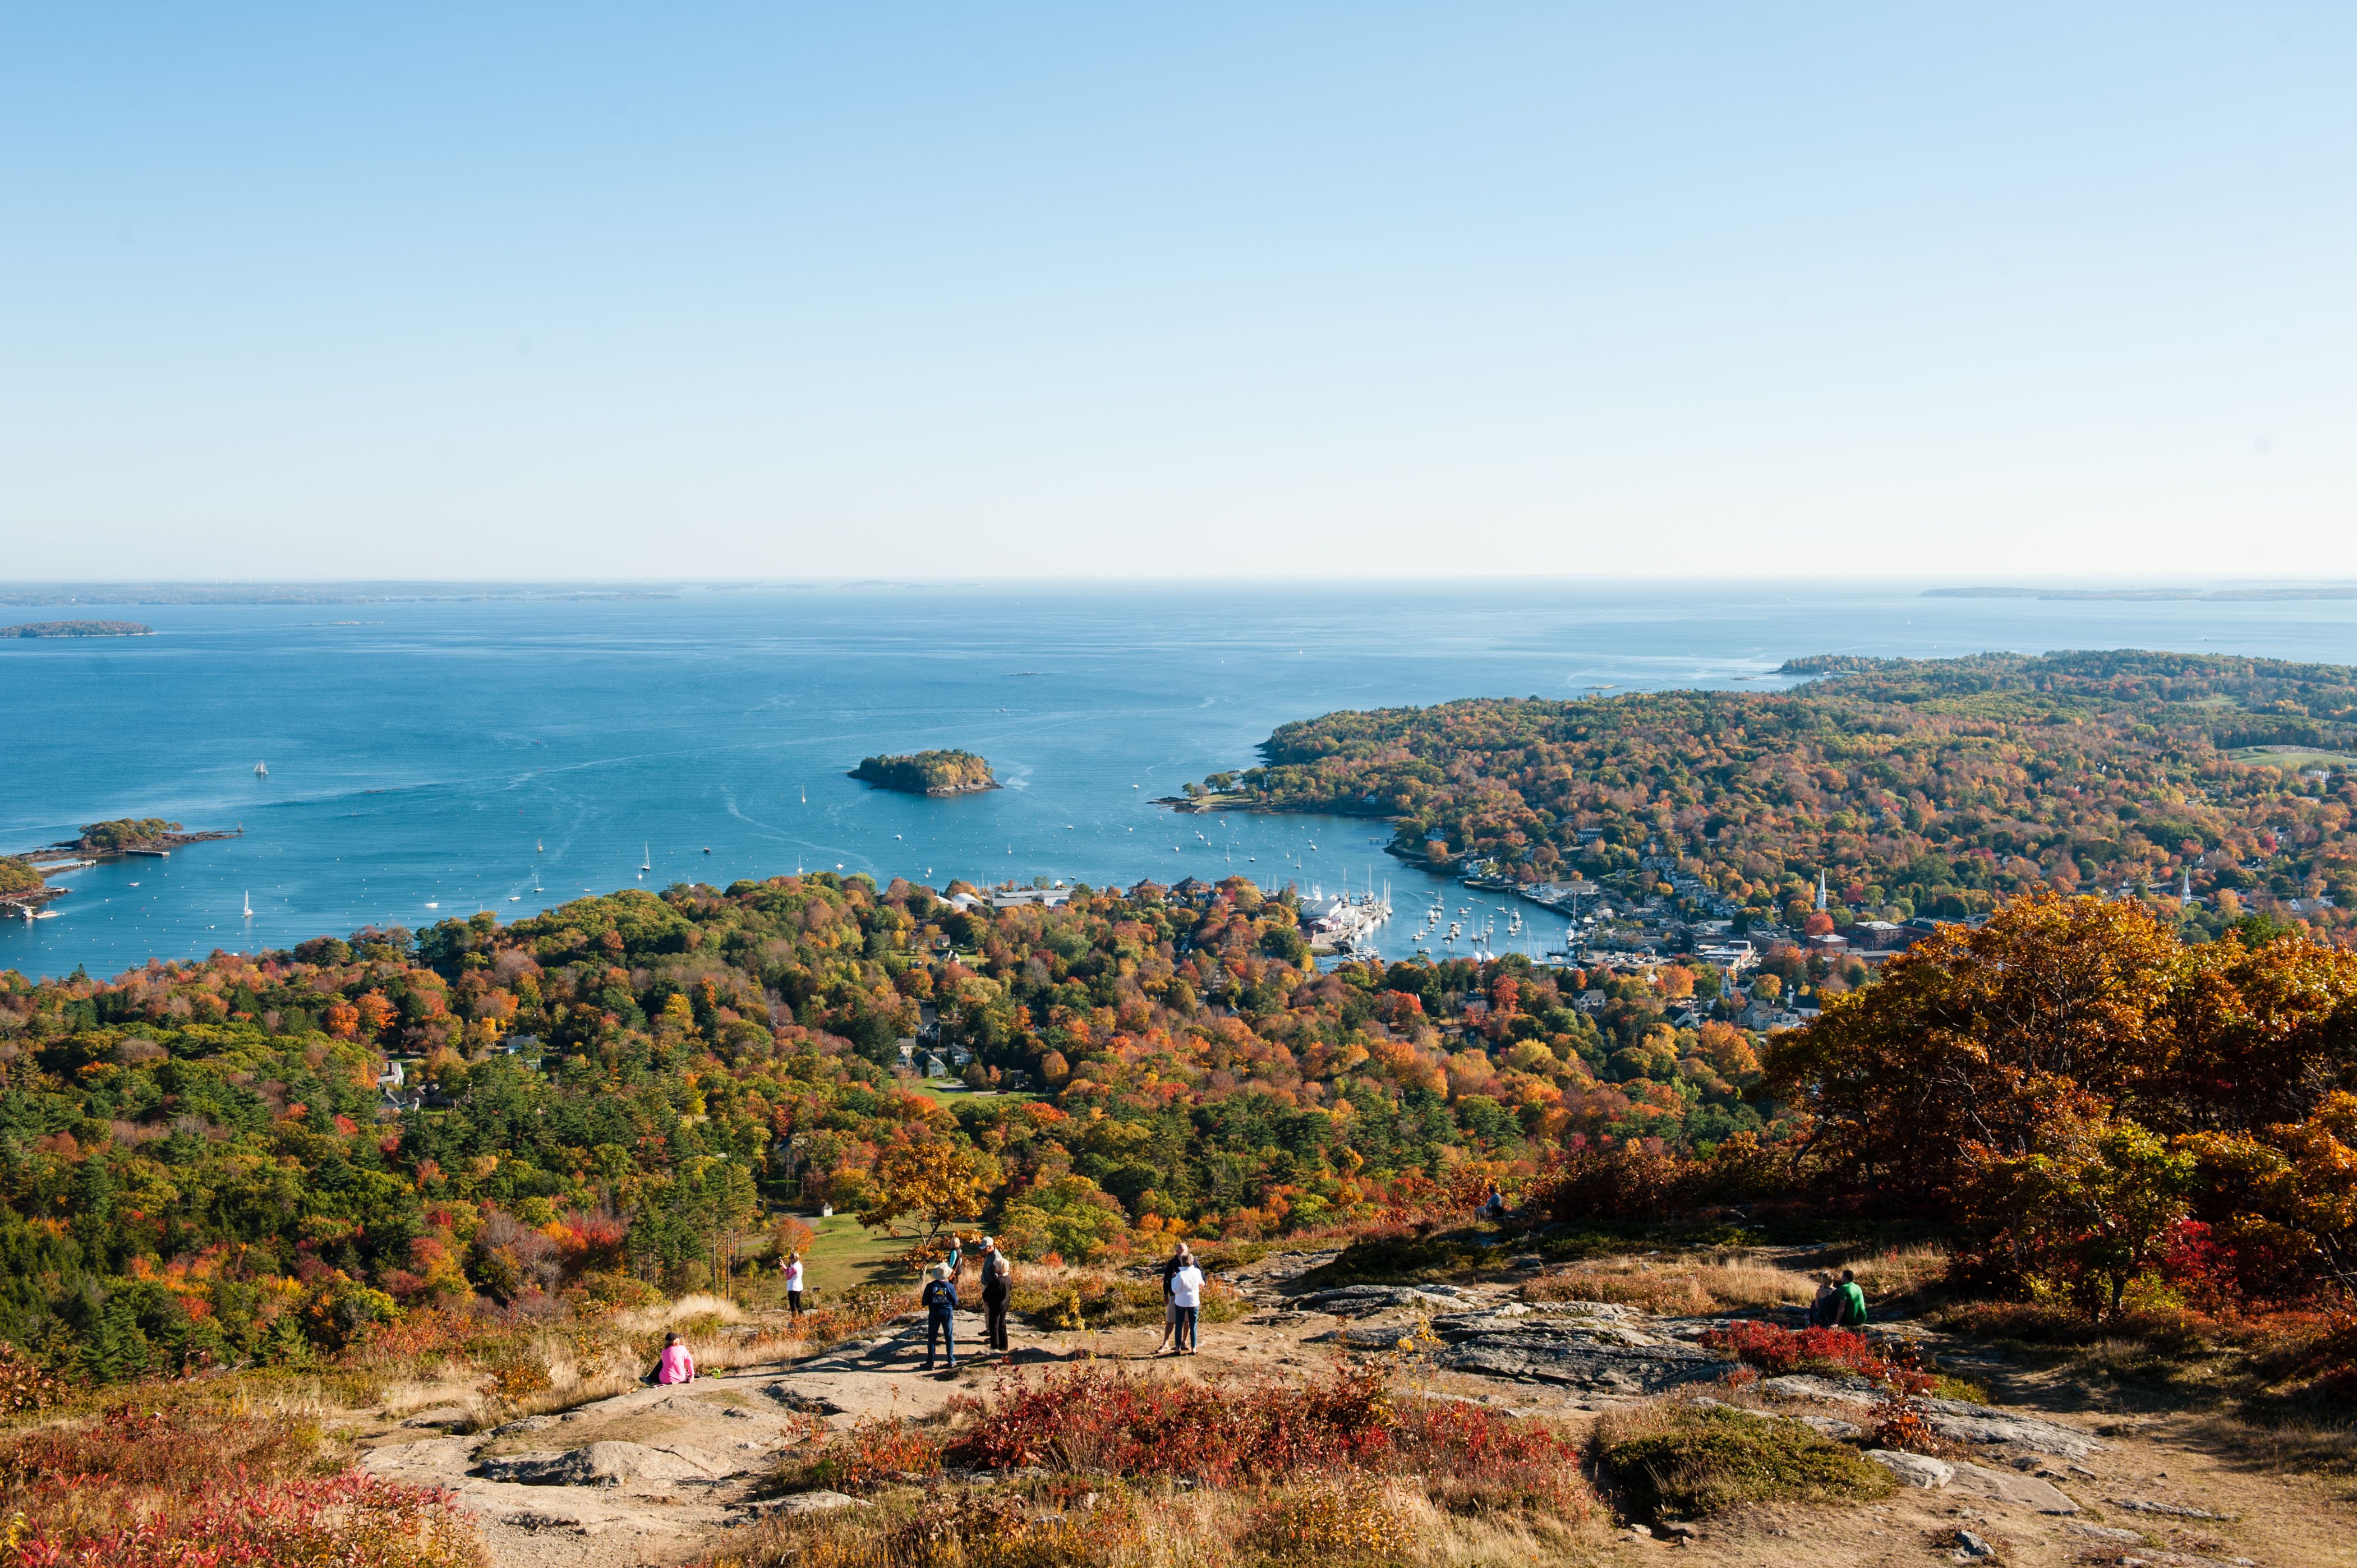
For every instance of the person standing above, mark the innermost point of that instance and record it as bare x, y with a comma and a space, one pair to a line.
956, 1259
940, 1302
1180, 1258
792, 1268
997, 1286
1186, 1304
1849, 1303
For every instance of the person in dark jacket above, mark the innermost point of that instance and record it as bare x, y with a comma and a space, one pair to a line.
997, 1286
940, 1315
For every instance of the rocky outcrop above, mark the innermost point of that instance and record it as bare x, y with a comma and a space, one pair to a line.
1366, 1301
597, 1465
1564, 1343
1959, 1420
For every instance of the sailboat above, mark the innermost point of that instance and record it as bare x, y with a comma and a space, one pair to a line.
647, 857
262, 771
806, 794
249, 906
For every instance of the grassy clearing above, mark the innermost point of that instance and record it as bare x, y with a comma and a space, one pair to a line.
1676, 1460
2292, 757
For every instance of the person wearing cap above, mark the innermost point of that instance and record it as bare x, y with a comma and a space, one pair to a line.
940, 1301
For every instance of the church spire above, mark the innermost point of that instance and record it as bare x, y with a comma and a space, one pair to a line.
1821, 889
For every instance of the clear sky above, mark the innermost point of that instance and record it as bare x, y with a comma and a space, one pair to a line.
1987, 291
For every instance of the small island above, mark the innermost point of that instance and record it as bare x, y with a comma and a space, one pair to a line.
927, 773
78, 629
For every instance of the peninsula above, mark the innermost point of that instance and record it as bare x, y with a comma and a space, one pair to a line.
78, 629
927, 773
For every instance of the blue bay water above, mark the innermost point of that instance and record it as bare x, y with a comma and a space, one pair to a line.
418, 752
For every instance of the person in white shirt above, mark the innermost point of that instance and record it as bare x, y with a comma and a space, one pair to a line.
1186, 1303
792, 1268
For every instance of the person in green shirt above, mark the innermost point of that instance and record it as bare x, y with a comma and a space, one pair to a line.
1849, 1303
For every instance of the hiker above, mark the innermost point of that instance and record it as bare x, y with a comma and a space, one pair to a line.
1186, 1303
792, 1268
956, 1257
941, 1313
1849, 1303
1180, 1258
1494, 1206
1822, 1309
674, 1365
996, 1275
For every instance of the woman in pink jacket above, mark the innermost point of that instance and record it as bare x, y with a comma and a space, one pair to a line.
674, 1365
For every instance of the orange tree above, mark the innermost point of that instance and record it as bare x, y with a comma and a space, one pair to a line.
2074, 1082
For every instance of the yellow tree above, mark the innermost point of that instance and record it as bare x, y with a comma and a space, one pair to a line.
927, 1182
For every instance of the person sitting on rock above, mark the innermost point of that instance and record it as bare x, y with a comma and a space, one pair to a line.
1849, 1303
674, 1365
1825, 1310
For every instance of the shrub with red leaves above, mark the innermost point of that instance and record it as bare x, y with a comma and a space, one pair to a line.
1223, 1432
150, 1488
1836, 1350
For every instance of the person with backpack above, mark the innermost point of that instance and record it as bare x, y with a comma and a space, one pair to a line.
940, 1300
997, 1286
1849, 1305
1186, 1305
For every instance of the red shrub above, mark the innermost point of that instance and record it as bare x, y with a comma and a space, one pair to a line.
1090, 1418
1779, 1350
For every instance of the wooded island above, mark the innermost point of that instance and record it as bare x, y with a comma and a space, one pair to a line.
927, 773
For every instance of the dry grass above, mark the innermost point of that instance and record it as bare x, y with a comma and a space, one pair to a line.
1335, 1523
1901, 1272
1693, 1286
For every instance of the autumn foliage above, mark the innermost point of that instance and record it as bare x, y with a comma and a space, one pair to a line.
2100, 1102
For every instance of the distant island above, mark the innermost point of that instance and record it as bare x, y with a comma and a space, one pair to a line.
78, 629
927, 773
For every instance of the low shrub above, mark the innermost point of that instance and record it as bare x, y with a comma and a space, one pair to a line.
181, 1488
1341, 1520
1089, 1418
1682, 1461
876, 1450
1835, 1351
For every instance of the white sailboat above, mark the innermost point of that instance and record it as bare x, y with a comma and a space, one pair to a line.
249, 906
646, 858
262, 771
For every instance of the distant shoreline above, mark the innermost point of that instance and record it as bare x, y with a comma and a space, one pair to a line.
78, 629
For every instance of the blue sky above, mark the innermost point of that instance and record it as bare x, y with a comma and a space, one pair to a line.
475, 291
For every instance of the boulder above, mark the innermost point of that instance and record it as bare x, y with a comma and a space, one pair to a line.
1365, 1301
1914, 1469
2006, 1487
1582, 1354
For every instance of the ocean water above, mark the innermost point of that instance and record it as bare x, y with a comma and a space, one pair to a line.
429, 759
